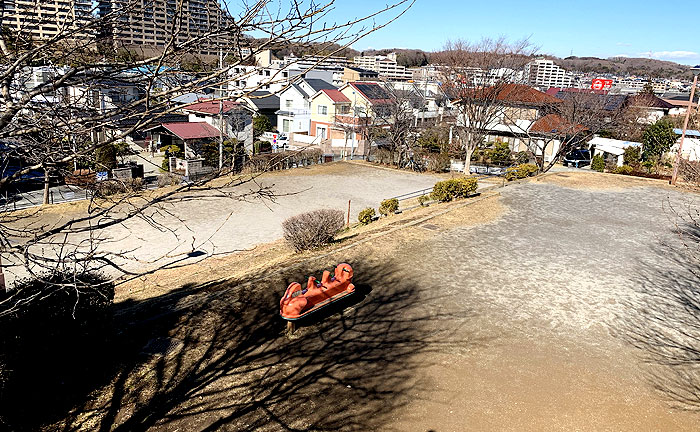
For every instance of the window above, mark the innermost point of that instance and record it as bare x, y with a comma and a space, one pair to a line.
321, 132
288, 103
286, 125
343, 109
323, 109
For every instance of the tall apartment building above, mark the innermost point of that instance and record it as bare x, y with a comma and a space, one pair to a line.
44, 19
147, 25
386, 66
543, 74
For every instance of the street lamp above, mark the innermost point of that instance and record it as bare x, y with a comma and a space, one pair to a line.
696, 72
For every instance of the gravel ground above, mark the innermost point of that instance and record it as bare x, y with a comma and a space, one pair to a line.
508, 320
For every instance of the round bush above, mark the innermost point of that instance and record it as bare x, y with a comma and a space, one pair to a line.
448, 190
312, 229
423, 199
388, 206
624, 169
521, 171
598, 163
366, 216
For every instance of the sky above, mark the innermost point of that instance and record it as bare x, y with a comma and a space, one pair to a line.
640, 28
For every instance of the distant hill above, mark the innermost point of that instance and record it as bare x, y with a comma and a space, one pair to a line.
625, 65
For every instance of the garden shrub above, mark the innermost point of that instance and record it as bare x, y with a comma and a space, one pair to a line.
521, 171
366, 216
598, 163
454, 188
423, 199
388, 206
624, 169
632, 156
313, 229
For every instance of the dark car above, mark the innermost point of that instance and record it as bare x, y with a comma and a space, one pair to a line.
577, 158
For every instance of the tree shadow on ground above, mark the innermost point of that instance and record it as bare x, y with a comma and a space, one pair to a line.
662, 321
215, 356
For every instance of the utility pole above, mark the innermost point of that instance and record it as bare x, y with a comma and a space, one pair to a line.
696, 72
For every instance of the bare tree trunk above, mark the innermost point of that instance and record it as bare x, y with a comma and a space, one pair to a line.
469, 151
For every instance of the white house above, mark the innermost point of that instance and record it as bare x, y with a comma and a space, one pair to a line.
691, 144
294, 115
611, 148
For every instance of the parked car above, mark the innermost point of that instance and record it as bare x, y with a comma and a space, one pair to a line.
578, 158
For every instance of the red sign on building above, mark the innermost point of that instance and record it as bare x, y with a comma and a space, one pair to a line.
601, 84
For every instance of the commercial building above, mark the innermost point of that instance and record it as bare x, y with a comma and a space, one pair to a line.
47, 18
146, 26
385, 66
543, 74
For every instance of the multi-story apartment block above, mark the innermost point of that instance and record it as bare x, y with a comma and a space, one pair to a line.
44, 19
543, 74
148, 25
386, 66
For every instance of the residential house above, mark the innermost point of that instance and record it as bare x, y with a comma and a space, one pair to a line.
263, 103
343, 116
612, 150
294, 115
352, 74
326, 104
230, 117
517, 109
651, 108
189, 137
691, 144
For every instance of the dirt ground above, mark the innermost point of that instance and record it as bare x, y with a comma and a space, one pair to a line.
506, 312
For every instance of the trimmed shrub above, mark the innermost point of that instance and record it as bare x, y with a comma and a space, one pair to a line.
454, 188
632, 156
423, 199
624, 169
366, 216
521, 171
312, 229
388, 206
598, 163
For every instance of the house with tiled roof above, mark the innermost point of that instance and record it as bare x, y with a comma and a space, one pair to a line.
326, 105
233, 118
294, 115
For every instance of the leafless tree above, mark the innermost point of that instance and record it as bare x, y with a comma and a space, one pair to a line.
473, 76
567, 124
62, 122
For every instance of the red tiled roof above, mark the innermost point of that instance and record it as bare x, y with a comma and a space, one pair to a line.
519, 93
194, 130
511, 93
335, 95
554, 123
212, 106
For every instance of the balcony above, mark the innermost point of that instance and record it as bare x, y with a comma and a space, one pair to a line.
292, 112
